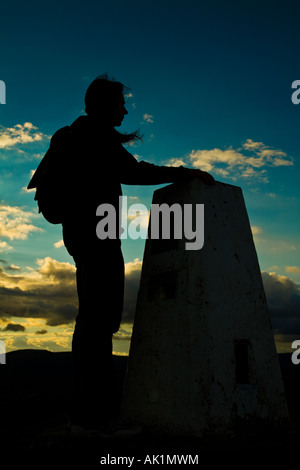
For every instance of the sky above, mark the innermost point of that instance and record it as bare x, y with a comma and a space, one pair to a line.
209, 86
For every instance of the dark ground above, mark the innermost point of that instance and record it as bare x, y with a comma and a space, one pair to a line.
34, 391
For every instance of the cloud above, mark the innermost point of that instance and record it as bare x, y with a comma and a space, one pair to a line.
270, 245
267, 244
249, 162
132, 281
124, 333
15, 223
13, 267
256, 230
283, 297
4, 246
292, 269
49, 292
133, 267
176, 162
148, 117
9, 267
56, 271
207, 159
251, 145
19, 134
60, 340
59, 244
15, 327
264, 155
24, 188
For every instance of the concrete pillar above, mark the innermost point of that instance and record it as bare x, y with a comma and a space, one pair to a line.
202, 358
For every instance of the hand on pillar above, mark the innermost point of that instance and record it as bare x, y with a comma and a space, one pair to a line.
207, 178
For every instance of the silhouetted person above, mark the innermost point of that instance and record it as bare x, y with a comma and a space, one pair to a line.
97, 166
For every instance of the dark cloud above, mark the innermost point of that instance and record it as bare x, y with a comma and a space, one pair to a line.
132, 281
49, 293
15, 327
63, 314
13, 268
283, 297
41, 332
57, 272
48, 304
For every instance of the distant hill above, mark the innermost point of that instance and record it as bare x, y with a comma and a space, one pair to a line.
35, 390
42, 363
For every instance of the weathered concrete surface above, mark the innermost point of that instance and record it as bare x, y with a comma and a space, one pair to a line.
202, 356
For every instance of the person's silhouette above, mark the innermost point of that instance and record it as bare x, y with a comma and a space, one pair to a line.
97, 166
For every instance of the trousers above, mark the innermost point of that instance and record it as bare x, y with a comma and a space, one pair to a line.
100, 288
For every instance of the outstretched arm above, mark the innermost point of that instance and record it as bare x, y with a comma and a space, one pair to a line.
134, 172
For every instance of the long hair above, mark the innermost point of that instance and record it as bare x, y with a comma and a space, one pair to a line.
100, 98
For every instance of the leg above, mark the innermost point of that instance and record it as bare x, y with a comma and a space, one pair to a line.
100, 285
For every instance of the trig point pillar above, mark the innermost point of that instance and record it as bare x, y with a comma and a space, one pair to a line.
202, 358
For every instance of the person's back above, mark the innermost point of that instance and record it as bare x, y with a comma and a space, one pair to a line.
93, 180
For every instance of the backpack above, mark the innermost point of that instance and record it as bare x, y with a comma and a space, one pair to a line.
49, 178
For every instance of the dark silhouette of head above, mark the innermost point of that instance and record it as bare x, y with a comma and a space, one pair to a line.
105, 103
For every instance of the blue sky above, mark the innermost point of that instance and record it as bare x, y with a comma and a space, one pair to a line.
211, 88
